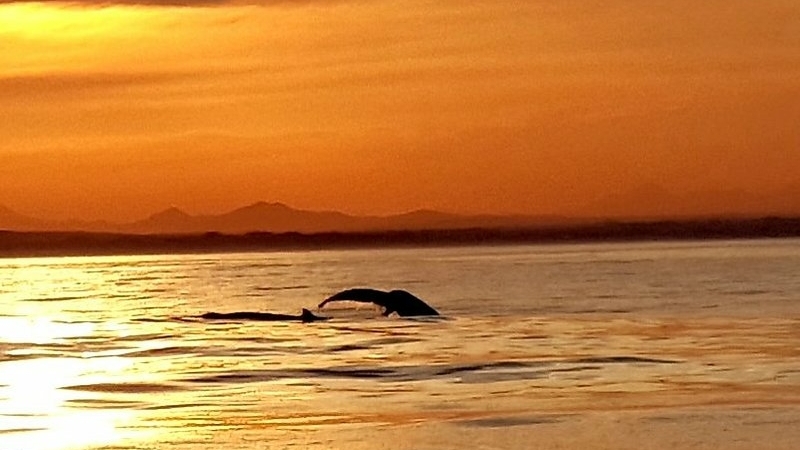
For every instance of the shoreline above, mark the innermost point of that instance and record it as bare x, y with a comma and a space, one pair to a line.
78, 243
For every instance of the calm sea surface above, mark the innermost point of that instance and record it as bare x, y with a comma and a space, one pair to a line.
692, 345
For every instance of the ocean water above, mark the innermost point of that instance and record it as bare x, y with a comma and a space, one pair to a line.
678, 345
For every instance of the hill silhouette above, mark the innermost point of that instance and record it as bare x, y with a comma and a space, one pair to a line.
654, 203
11, 220
274, 218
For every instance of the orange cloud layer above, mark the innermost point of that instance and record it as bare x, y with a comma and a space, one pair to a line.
378, 107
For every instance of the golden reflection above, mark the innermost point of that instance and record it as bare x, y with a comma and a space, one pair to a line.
37, 412
18, 330
57, 392
72, 431
44, 369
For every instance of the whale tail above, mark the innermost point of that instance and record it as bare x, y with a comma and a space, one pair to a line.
401, 302
364, 295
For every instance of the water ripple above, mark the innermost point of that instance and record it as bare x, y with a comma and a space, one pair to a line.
466, 373
126, 388
503, 422
282, 288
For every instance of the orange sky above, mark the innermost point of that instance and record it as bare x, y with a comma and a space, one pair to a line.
544, 107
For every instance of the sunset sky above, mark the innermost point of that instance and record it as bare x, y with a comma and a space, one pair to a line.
118, 109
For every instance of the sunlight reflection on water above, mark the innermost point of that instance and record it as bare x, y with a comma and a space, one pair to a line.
36, 408
117, 366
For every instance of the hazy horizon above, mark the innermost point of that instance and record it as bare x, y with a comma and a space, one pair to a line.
116, 110
786, 208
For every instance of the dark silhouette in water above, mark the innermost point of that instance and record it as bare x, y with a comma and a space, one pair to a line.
402, 302
305, 317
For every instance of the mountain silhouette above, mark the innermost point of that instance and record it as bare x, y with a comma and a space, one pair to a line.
11, 220
281, 218
654, 202
171, 220
261, 216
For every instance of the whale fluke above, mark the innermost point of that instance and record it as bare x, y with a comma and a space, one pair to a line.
402, 302
305, 317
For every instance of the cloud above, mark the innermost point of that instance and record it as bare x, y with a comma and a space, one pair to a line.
567, 97
28, 86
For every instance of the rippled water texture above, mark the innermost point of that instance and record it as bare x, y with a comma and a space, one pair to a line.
604, 346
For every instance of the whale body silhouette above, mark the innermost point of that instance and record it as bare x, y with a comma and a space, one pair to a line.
306, 316
401, 302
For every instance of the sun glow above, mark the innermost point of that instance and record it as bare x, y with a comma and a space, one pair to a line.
31, 20
36, 21
61, 38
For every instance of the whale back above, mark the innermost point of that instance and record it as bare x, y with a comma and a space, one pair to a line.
308, 316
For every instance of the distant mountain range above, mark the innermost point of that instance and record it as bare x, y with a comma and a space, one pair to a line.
276, 218
646, 203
